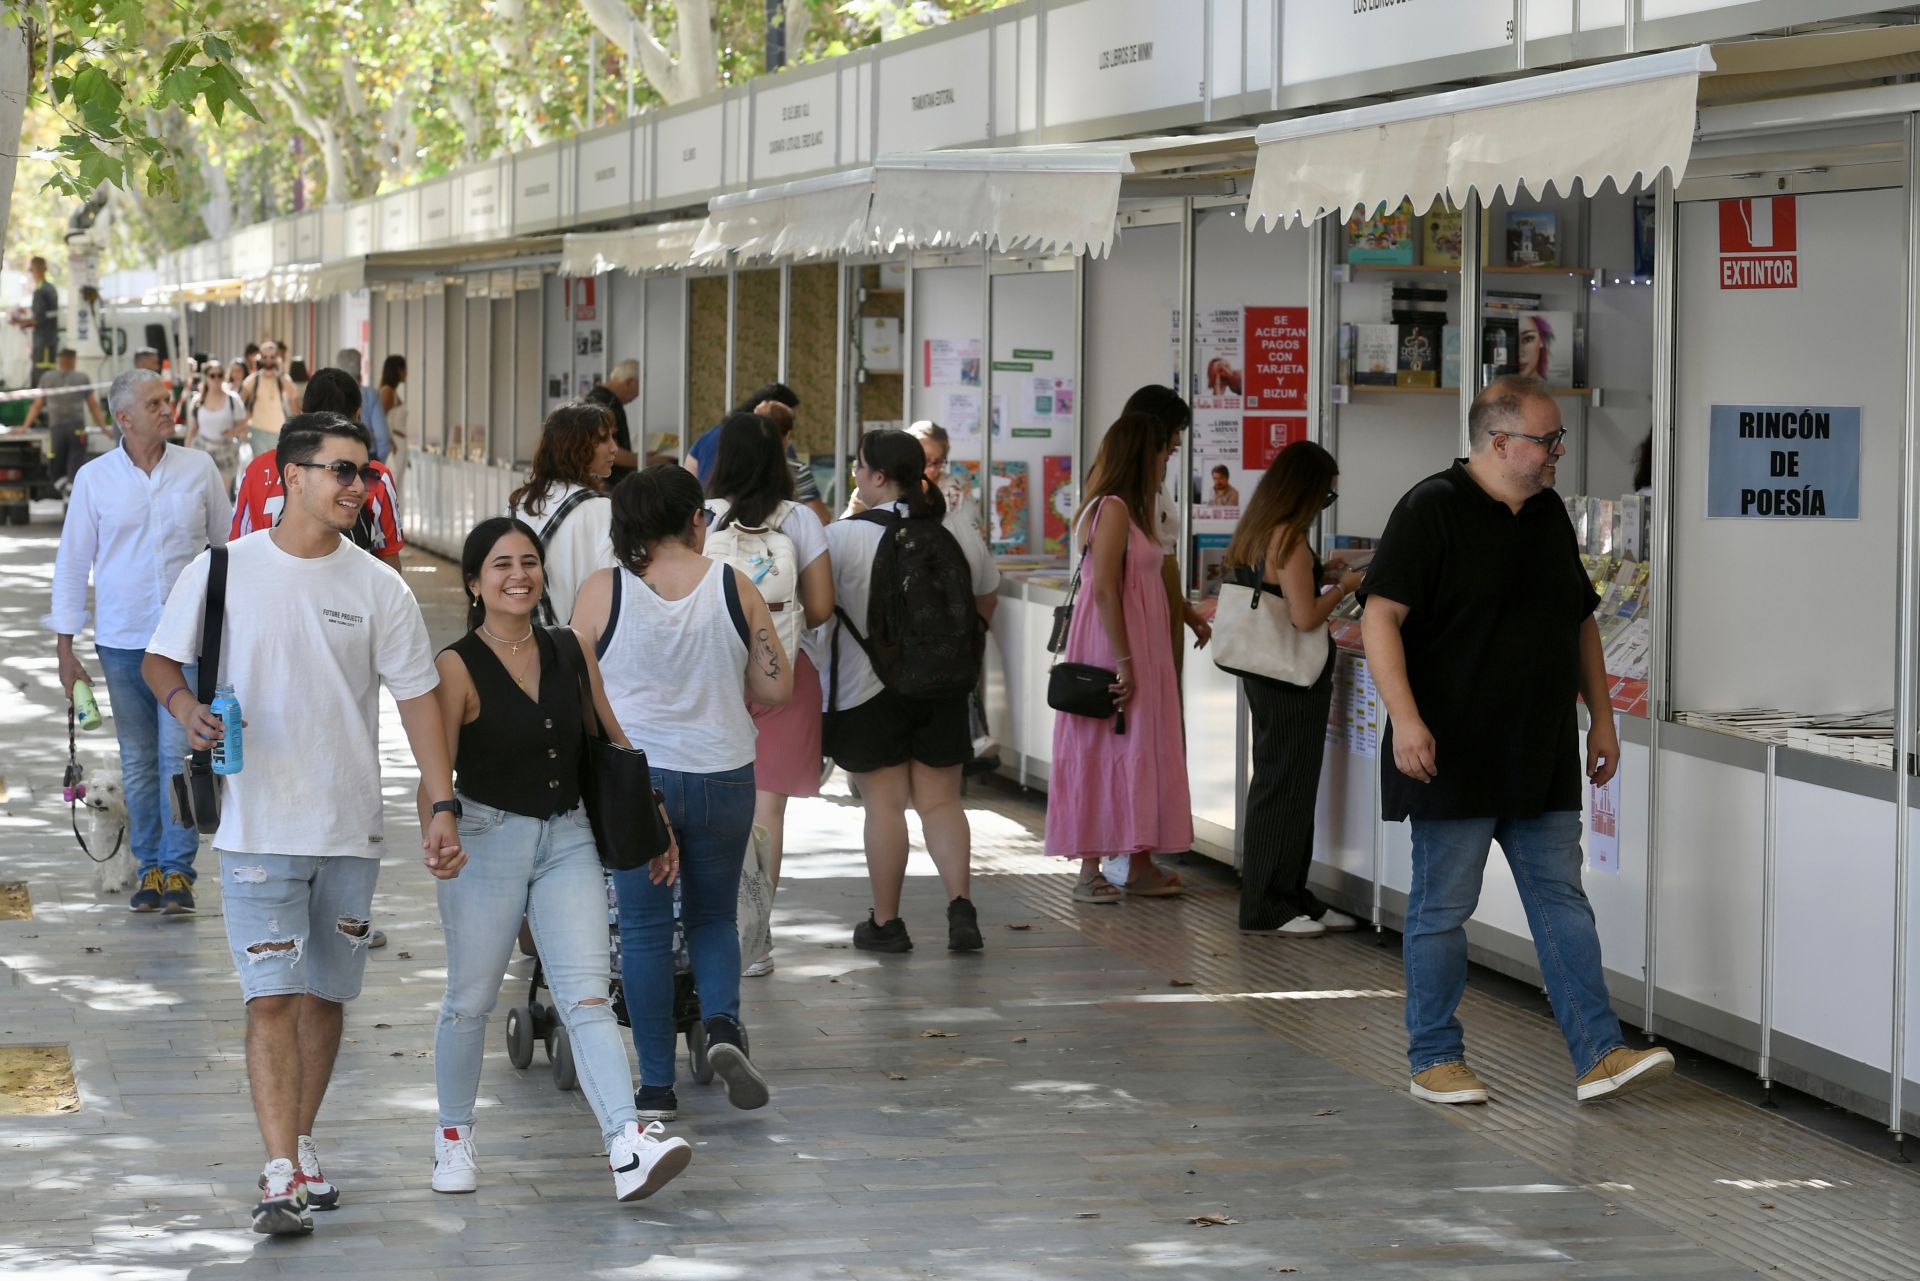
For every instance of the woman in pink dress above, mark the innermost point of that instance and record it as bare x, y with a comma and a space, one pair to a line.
1113, 792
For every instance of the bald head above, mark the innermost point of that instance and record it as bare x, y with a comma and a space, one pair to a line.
1501, 406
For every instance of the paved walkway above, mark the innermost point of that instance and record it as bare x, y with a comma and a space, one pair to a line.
1061, 1106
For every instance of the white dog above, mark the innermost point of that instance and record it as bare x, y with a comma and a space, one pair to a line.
106, 806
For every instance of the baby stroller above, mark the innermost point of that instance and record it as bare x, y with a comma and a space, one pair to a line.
538, 1020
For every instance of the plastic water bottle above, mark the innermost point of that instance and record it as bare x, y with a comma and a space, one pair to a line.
86, 711
228, 754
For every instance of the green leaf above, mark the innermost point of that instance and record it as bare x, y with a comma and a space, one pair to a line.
218, 48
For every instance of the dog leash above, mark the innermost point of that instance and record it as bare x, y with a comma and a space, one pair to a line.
73, 786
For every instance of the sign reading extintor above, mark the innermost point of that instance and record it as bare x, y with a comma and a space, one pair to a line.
1759, 243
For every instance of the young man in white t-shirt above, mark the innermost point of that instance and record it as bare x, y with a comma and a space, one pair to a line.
313, 624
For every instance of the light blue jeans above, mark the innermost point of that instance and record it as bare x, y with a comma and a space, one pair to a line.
1449, 860
712, 817
548, 871
298, 923
153, 747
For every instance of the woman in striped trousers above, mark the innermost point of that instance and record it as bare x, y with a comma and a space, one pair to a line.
1289, 722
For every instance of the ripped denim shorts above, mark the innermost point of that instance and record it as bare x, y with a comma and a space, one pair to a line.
298, 923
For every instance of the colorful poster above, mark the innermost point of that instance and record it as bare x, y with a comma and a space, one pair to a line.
1276, 368
1219, 357
1355, 718
1011, 520
950, 362
1056, 482
1266, 435
1209, 555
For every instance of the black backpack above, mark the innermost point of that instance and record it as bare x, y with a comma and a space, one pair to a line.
926, 637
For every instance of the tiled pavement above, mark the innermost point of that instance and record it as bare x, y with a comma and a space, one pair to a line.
1079, 1111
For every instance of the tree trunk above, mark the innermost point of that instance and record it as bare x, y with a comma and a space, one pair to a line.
13, 110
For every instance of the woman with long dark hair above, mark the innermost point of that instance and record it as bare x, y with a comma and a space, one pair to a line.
1112, 792
1271, 546
685, 643
900, 751
515, 713
751, 493
562, 500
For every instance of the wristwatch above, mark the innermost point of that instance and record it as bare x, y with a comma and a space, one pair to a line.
448, 807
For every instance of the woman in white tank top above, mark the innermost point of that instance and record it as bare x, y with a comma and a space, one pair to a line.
684, 643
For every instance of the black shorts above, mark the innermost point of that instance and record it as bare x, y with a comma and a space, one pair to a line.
889, 729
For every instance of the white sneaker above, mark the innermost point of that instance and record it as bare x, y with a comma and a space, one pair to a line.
454, 1168
1338, 922
321, 1195
643, 1163
282, 1208
760, 966
1302, 927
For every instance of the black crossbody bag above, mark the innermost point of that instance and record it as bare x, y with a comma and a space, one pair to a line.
196, 789
1081, 689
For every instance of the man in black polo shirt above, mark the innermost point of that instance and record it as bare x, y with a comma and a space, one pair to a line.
1479, 633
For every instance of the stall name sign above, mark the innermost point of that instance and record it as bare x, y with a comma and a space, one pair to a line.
1122, 55
1793, 462
1759, 243
937, 98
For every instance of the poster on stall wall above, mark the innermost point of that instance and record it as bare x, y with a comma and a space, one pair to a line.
1220, 358
1603, 821
1056, 486
1264, 436
959, 413
997, 410
961, 484
582, 293
950, 362
1012, 521
1276, 368
1354, 721
1216, 444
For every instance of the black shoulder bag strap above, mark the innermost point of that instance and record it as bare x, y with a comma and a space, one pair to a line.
546, 534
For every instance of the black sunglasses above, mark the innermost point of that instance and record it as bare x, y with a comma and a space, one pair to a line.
344, 472
1333, 496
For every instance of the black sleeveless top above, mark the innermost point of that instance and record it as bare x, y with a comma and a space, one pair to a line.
520, 755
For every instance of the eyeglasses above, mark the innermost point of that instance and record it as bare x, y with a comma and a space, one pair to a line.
1333, 496
344, 472
1550, 442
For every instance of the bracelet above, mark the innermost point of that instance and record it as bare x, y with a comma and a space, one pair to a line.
167, 702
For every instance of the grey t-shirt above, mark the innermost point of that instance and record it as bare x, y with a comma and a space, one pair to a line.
65, 408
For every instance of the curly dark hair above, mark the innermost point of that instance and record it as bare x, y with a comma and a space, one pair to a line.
564, 455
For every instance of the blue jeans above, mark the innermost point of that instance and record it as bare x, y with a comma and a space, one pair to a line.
153, 747
298, 923
1449, 860
712, 817
548, 871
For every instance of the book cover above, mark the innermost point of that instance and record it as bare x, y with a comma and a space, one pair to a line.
1500, 345
1209, 557
1544, 346
1533, 238
1419, 356
1389, 238
1450, 356
880, 344
1056, 486
1441, 237
1376, 355
1343, 372
1011, 508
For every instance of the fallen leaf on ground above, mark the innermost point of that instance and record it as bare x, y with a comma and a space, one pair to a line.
1179, 982
1286, 1269
835, 947
93, 949
935, 1032
896, 1076
1328, 1112
1019, 1040
1087, 1214
1022, 925
397, 1054
383, 1026
405, 956
1766, 1205
1213, 1219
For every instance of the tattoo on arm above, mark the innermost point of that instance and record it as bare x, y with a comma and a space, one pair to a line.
765, 653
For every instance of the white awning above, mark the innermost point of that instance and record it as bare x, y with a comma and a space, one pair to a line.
1619, 120
303, 282
811, 218
634, 249
1049, 199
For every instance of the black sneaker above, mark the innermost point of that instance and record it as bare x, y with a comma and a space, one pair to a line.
891, 937
727, 1052
963, 926
177, 900
656, 1103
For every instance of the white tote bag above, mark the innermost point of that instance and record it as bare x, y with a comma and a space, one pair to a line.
1254, 635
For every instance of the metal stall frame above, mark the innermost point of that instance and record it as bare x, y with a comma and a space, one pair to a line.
1666, 224
1904, 658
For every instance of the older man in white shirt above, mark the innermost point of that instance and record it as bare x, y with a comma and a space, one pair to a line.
137, 515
